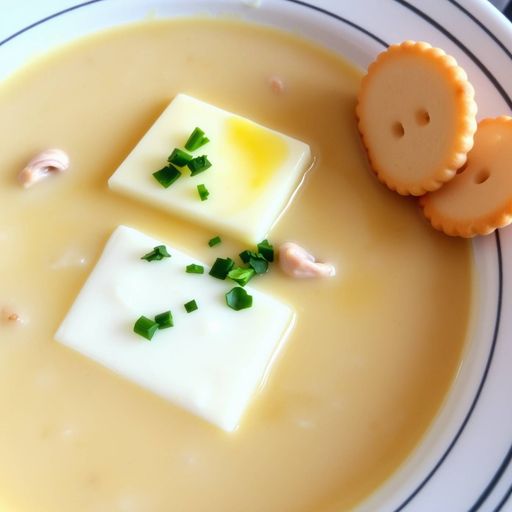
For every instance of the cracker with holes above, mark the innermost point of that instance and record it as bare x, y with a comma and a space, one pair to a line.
479, 199
416, 116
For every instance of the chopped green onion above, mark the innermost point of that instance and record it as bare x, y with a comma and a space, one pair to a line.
198, 165
266, 250
259, 259
237, 299
245, 256
258, 263
203, 192
196, 140
158, 253
145, 327
167, 175
221, 268
191, 306
265, 254
195, 269
241, 275
216, 240
256, 260
179, 157
164, 320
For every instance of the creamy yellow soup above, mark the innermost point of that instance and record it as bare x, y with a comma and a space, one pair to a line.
374, 350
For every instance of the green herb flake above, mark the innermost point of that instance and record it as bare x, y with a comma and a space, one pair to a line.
191, 306
198, 165
221, 268
245, 256
266, 250
158, 253
164, 320
179, 157
193, 268
196, 140
258, 263
203, 192
145, 327
237, 299
241, 275
216, 240
167, 175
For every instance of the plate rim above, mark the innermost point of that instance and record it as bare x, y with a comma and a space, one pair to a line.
506, 97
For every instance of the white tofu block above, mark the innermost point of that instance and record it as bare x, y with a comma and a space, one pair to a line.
211, 362
253, 175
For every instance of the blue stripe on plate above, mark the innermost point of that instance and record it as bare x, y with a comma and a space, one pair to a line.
508, 457
48, 18
498, 473
504, 500
463, 47
339, 18
483, 27
495, 479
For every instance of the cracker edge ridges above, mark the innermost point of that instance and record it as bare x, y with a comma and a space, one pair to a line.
463, 144
482, 226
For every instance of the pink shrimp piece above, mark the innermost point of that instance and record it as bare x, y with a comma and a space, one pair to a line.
296, 262
50, 161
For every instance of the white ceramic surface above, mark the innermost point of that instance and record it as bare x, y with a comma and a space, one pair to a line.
464, 463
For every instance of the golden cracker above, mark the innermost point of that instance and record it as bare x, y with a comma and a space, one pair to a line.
416, 116
479, 199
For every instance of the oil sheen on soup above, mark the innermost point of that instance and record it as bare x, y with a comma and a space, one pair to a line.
373, 351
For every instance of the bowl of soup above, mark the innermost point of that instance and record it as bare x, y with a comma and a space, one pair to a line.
389, 388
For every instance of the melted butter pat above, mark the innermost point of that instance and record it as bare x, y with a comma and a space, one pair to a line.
258, 152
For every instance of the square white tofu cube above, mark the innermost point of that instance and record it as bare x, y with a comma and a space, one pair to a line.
211, 362
253, 175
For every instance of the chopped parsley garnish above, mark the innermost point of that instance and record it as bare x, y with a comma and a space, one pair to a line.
245, 256
237, 299
193, 268
256, 260
198, 165
190, 306
216, 240
196, 140
203, 192
164, 320
179, 157
220, 269
167, 175
145, 327
258, 263
158, 253
241, 275
266, 250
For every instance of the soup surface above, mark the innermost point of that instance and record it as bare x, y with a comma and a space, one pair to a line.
374, 350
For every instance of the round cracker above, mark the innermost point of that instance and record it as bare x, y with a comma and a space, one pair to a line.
479, 199
416, 116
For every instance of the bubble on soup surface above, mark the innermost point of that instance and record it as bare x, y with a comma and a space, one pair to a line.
71, 258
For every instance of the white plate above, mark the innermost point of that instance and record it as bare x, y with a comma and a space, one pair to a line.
464, 463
